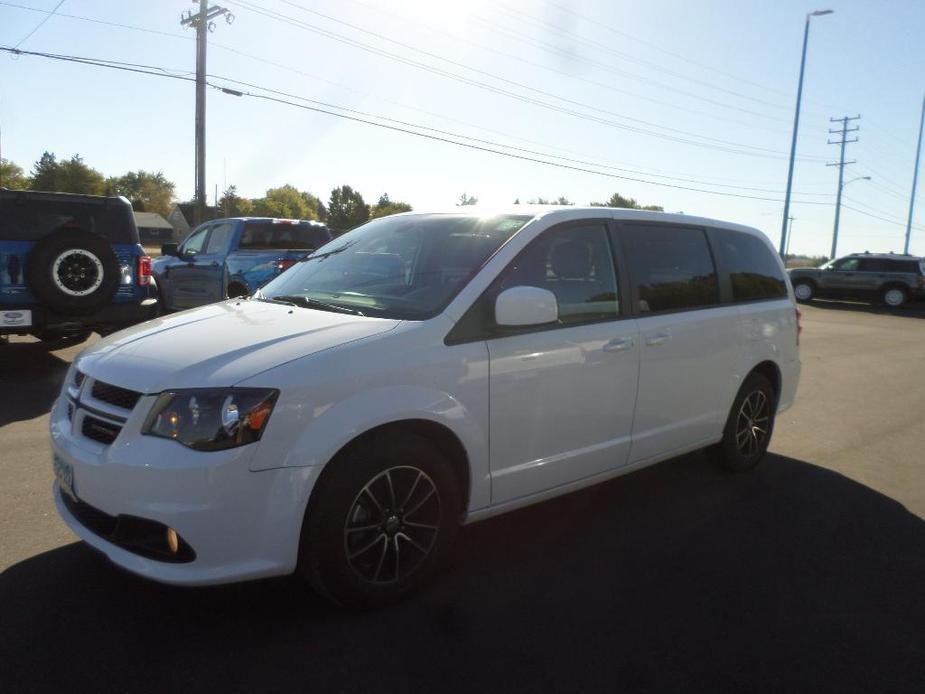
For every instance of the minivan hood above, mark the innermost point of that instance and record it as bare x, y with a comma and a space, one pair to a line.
219, 345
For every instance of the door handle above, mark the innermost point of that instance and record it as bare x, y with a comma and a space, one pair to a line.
619, 344
658, 339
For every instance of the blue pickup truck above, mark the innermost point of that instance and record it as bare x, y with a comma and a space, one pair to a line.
226, 258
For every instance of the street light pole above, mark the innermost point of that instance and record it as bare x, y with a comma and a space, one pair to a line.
915, 179
796, 127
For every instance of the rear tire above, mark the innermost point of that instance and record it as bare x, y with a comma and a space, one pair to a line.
804, 291
894, 297
380, 521
749, 426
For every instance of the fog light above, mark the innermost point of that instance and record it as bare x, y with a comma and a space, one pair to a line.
173, 542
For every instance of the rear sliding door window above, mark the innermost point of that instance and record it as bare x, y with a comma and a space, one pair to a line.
670, 267
753, 270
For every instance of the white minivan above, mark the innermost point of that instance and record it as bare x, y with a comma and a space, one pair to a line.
416, 373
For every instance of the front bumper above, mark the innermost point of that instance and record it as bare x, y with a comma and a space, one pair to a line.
240, 524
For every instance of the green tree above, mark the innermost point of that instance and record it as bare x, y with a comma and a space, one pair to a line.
465, 199
346, 209
12, 176
45, 172
232, 205
71, 176
561, 200
617, 200
385, 207
285, 202
314, 203
147, 191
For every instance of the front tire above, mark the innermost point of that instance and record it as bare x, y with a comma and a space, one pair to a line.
749, 426
380, 521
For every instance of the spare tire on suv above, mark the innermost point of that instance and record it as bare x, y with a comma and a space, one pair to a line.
73, 271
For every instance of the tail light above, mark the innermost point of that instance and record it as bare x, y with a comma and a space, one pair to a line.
284, 264
144, 270
799, 314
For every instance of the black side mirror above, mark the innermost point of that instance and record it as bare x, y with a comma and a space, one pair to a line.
170, 249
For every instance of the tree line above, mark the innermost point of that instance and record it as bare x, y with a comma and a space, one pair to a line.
151, 192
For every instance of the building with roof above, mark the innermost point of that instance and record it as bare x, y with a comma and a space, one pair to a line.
154, 229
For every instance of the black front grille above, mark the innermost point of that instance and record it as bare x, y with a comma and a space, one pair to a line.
70, 411
79, 378
140, 536
114, 395
100, 430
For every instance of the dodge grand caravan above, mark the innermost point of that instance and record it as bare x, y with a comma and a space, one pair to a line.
421, 371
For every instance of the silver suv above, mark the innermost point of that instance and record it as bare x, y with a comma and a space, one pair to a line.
887, 277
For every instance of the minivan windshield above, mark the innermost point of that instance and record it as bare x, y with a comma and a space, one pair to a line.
406, 267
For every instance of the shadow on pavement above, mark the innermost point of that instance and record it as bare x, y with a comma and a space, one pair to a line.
676, 578
30, 379
914, 309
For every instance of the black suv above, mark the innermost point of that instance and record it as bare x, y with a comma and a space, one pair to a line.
71, 264
893, 279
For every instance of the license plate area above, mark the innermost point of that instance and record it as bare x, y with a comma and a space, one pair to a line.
64, 474
15, 318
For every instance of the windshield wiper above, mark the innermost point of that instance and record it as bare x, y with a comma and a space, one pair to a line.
322, 256
307, 302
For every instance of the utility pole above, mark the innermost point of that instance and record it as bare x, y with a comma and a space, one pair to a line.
915, 179
841, 164
789, 234
202, 22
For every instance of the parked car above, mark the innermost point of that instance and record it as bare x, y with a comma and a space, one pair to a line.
887, 277
421, 371
232, 257
69, 265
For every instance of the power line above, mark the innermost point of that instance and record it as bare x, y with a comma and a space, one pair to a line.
727, 146
659, 173
161, 72
496, 144
570, 76
625, 56
39, 25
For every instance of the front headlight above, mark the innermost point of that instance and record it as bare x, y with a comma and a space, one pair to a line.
211, 419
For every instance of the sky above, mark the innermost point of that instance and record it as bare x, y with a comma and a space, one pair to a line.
649, 99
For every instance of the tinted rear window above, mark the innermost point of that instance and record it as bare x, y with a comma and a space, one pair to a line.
30, 219
671, 267
910, 266
304, 236
753, 270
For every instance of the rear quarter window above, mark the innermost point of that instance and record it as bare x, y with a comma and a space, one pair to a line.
30, 219
754, 272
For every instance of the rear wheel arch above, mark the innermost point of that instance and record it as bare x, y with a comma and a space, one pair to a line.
770, 371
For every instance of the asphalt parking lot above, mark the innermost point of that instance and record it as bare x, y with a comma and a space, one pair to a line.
805, 575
